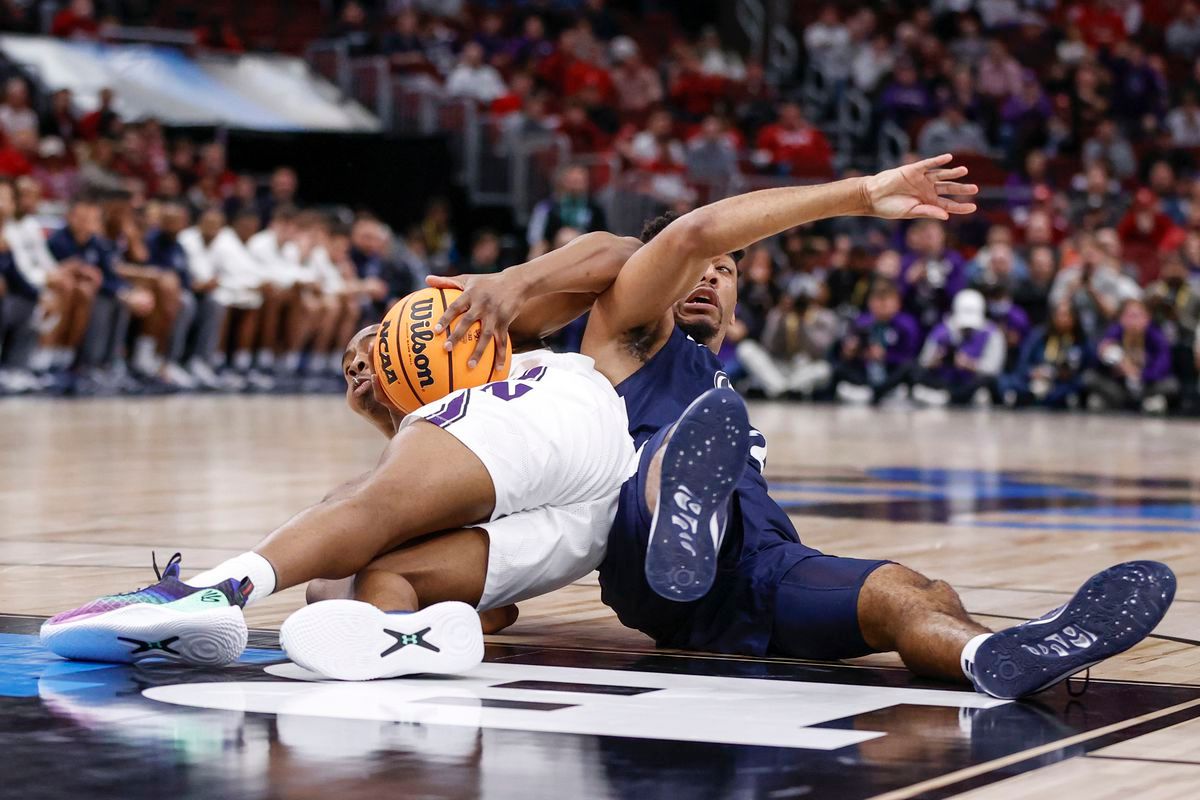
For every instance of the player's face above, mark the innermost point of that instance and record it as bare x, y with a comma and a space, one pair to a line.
359, 372
705, 314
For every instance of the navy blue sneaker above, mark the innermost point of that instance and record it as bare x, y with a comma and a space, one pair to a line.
703, 459
1112, 612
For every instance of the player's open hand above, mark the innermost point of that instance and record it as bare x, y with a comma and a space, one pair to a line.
924, 189
491, 300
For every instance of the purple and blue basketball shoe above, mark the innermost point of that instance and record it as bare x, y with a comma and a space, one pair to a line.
1112, 612
169, 621
703, 459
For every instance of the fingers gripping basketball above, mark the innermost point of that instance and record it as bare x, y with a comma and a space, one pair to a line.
411, 363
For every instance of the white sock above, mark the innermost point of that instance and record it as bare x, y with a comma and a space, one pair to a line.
242, 360
248, 565
61, 357
967, 659
291, 362
265, 359
220, 359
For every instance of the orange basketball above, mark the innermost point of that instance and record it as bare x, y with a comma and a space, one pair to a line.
410, 359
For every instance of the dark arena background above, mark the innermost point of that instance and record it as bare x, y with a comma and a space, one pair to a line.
201, 202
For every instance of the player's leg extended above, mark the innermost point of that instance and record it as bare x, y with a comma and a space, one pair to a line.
421, 597
926, 623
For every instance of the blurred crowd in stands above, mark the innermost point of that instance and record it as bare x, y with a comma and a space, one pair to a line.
1075, 285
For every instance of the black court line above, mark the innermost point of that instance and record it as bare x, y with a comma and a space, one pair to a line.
487, 702
577, 688
1147, 760
1035, 762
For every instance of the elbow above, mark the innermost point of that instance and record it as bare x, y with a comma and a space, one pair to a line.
689, 236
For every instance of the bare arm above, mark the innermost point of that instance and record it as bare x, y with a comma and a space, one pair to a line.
533, 299
671, 265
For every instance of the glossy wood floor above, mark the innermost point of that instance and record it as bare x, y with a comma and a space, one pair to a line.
1014, 510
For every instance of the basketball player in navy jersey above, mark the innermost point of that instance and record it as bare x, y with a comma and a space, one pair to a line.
752, 587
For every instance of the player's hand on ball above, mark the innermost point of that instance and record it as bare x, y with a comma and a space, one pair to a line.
920, 190
491, 300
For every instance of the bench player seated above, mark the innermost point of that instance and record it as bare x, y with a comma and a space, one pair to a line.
754, 588
510, 488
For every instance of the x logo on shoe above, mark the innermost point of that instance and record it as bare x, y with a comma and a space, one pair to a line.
405, 639
145, 647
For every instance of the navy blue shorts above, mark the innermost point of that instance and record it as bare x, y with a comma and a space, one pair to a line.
772, 594
816, 609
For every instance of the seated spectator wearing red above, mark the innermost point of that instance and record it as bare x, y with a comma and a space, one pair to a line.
694, 91
1101, 21
588, 72
1146, 232
638, 85
552, 69
1135, 365
104, 121
520, 89
656, 147
15, 154
584, 135
218, 33
793, 145
76, 21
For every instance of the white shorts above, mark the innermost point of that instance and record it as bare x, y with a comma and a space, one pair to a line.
554, 438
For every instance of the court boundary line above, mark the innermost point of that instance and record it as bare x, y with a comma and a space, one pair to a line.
1104, 757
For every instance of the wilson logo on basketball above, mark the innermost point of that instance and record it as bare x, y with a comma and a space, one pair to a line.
385, 355
420, 335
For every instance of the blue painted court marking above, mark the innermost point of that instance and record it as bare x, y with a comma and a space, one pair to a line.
1180, 511
23, 662
1082, 526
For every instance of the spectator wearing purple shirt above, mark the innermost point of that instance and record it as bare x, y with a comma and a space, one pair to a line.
905, 100
1135, 365
930, 273
963, 357
878, 352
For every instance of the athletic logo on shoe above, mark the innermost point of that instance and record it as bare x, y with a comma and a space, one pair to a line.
686, 521
1070, 639
146, 647
211, 596
403, 640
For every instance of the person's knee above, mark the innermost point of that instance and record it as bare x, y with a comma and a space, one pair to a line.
386, 589
323, 589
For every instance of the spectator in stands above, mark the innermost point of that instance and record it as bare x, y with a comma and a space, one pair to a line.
1134, 369
379, 281
951, 132
76, 21
848, 285
587, 71
999, 73
1051, 364
1098, 202
963, 357
1162, 182
532, 45
789, 355
905, 101
485, 253
80, 246
352, 30
871, 62
1032, 293
16, 116
218, 33
490, 36
18, 303
1174, 303
1023, 117
1183, 34
878, 352
475, 79
712, 156
583, 134
571, 206
59, 119
602, 22
656, 147
931, 273
1110, 146
165, 253
440, 248
1183, 122
638, 85
793, 145
404, 47
14, 154
99, 172
1094, 287
1146, 232
104, 121
716, 60
827, 41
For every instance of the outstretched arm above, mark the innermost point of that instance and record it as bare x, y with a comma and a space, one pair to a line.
670, 266
534, 299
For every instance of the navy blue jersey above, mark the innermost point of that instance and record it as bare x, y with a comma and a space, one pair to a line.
760, 545
95, 251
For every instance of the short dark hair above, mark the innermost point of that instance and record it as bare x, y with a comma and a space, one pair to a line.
657, 225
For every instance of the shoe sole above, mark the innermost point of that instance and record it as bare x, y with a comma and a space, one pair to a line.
144, 632
352, 641
704, 459
1112, 612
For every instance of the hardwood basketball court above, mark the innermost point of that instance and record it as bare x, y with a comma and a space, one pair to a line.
1014, 510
